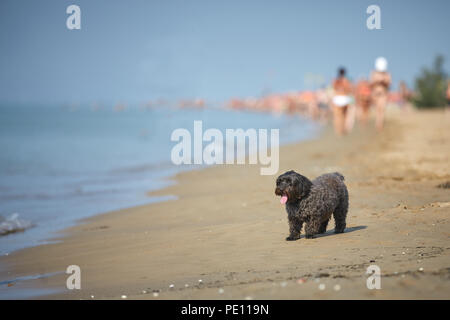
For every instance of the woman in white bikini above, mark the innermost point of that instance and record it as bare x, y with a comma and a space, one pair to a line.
380, 81
341, 101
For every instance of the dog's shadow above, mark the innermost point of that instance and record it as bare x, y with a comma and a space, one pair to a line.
331, 232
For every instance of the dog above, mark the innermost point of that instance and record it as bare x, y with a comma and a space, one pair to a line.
313, 202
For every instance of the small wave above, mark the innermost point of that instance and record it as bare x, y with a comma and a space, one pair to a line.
13, 224
147, 167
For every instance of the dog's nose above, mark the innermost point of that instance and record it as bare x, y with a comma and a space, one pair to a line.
277, 191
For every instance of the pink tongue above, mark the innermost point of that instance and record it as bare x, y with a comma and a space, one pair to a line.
283, 199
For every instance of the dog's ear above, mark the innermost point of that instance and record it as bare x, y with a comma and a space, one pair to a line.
302, 186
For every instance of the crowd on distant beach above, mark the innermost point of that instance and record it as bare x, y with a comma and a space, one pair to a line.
342, 100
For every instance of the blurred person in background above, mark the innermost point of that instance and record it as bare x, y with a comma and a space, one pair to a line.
341, 101
363, 100
309, 101
323, 103
380, 82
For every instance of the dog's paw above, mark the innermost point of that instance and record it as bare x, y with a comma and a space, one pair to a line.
290, 238
309, 236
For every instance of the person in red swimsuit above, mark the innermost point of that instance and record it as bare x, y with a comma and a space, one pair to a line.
363, 100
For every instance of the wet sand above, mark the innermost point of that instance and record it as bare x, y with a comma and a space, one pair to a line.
228, 229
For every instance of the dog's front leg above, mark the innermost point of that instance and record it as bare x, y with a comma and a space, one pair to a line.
311, 228
295, 226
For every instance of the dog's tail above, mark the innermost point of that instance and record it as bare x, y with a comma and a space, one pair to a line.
339, 175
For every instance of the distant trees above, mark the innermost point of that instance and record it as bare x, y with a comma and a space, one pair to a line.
430, 86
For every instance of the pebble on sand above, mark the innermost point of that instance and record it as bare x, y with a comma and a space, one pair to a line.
301, 280
420, 269
155, 294
172, 286
123, 296
322, 286
221, 291
186, 285
337, 287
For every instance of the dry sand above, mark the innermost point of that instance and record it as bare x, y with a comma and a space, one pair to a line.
228, 229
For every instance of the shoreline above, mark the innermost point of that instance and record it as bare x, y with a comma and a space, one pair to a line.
226, 225
58, 200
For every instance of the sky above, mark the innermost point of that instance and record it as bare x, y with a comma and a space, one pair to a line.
135, 51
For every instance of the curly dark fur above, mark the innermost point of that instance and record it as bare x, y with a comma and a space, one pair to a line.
313, 203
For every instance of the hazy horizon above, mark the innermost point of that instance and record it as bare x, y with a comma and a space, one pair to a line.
144, 50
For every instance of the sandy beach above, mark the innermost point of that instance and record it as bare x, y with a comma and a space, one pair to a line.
228, 229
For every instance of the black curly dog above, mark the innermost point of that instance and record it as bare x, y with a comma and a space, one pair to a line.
313, 202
